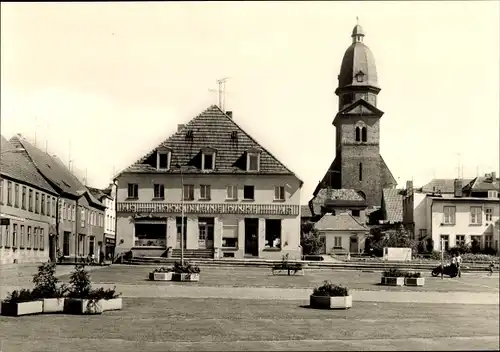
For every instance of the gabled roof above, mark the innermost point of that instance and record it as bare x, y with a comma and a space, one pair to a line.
336, 197
359, 107
17, 166
392, 205
214, 129
482, 184
341, 222
52, 169
443, 185
97, 193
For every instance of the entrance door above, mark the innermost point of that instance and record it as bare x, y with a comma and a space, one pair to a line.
353, 247
322, 239
179, 227
52, 248
251, 237
205, 233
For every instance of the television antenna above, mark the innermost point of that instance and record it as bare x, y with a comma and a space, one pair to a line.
221, 82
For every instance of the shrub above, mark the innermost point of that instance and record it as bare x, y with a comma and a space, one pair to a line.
101, 293
394, 272
163, 270
186, 269
331, 290
413, 275
436, 255
21, 296
310, 242
470, 257
80, 284
46, 282
462, 249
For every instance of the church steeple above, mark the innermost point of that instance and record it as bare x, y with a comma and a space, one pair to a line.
357, 33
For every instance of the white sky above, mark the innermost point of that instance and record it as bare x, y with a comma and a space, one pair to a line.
117, 78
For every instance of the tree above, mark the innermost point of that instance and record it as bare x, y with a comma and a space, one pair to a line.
398, 237
310, 240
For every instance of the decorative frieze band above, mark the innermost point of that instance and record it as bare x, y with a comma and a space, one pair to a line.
209, 208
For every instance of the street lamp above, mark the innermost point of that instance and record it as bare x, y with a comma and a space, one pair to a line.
182, 214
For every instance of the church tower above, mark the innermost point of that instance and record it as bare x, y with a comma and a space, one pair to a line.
358, 164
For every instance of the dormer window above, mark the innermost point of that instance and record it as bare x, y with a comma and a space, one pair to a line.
163, 156
360, 76
208, 159
253, 159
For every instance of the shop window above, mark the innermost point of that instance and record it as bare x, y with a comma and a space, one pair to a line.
273, 233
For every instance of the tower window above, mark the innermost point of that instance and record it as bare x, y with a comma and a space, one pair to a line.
363, 134
361, 171
357, 134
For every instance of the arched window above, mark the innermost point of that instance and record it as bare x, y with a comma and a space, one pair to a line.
364, 136
361, 171
357, 134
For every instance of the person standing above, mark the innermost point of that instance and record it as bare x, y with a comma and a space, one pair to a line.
459, 264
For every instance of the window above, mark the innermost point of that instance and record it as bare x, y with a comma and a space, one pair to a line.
488, 241
492, 194
449, 215
489, 214
42, 210
230, 234
188, 191
205, 230
73, 212
42, 240
279, 193
423, 233
159, 191
29, 242
49, 208
91, 245
460, 240
475, 215
66, 244
253, 162
355, 212
37, 202
205, 192
361, 171
358, 134
14, 236
337, 242
232, 192
16, 195
163, 160
82, 220
273, 233
9, 193
30, 200
23, 198
21, 238
81, 245
248, 192
63, 211
1, 193
35, 238
207, 161
54, 207
7, 236
445, 243
364, 134
133, 190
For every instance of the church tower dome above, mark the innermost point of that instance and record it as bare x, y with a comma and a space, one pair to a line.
358, 72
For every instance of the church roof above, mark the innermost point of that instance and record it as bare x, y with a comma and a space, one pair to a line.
392, 205
336, 197
341, 222
218, 131
358, 59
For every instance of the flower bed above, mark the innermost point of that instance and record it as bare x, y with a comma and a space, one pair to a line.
22, 302
330, 296
178, 272
393, 277
414, 279
161, 274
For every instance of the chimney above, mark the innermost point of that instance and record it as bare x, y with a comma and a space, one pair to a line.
229, 114
458, 188
180, 127
493, 177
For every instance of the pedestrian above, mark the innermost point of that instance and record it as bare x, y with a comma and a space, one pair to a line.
491, 268
459, 265
453, 262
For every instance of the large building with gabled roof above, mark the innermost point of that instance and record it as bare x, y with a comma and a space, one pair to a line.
239, 200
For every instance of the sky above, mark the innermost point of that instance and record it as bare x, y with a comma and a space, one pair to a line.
104, 83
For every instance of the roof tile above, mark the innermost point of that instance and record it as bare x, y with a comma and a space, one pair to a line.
393, 205
341, 222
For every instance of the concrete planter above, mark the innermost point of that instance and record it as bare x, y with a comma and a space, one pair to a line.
393, 281
161, 276
82, 306
189, 277
327, 302
112, 304
24, 308
288, 272
414, 281
53, 305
